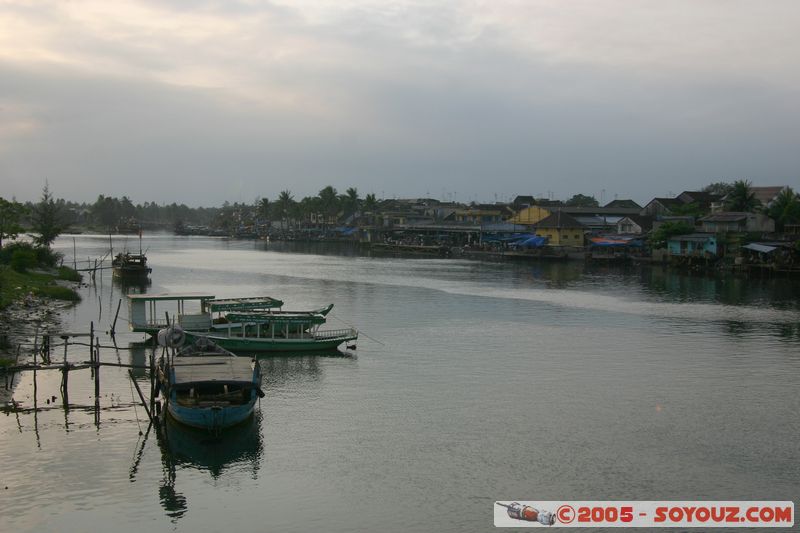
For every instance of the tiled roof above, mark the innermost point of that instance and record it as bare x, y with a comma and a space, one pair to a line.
559, 219
766, 194
726, 216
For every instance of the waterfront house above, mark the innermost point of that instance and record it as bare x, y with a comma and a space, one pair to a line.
523, 201
703, 200
625, 204
479, 214
599, 219
661, 207
693, 244
530, 215
737, 222
768, 195
561, 229
634, 225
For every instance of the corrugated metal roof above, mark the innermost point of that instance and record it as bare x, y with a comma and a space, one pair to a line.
696, 237
760, 248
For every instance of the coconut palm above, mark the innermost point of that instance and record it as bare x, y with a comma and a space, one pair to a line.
370, 203
328, 202
785, 209
263, 209
741, 197
285, 203
350, 201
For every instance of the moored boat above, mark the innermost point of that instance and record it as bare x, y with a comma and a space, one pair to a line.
277, 333
205, 385
198, 312
130, 266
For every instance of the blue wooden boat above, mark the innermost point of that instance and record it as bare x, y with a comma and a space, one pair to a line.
207, 387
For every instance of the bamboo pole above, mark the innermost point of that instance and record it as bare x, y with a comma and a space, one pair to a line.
114, 324
97, 372
91, 344
141, 397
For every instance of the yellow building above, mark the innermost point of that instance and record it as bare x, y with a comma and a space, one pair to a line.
561, 230
530, 215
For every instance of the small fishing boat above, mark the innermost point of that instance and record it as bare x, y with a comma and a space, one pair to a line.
278, 333
206, 386
130, 266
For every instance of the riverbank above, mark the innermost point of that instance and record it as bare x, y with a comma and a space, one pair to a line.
30, 302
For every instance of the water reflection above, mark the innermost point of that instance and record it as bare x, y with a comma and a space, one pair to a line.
238, 446
184, 448
133, 286
297, 367
140, 358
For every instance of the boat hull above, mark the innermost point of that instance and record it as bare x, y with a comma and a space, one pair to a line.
212, 418
260, 344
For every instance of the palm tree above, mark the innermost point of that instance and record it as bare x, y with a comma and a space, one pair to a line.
350, 201
329, 202
785, 209
309, 207
741, 197
263, 209
285, 204
370, 203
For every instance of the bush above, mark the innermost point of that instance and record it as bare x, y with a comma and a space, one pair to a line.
57, 292
47, 257
68, 274
43, 256
22, 260
8, 250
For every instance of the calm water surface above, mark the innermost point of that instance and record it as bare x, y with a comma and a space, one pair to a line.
472, 382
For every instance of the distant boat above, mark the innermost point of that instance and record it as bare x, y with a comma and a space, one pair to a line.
206, 386
130, 266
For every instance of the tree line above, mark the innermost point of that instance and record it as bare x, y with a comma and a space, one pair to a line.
49, 217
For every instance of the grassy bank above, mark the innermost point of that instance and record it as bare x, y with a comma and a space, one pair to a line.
16, 285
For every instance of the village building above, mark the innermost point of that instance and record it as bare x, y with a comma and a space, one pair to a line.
634, 225
530, 215
768, 195
561, 229
693, 244
658, 207
738, 222
702, 199
625, 204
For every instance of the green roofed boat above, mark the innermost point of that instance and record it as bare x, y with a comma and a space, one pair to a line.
241, 325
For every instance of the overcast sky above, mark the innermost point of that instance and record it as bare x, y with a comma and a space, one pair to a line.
201, 101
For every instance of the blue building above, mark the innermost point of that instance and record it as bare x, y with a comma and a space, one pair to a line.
695, 244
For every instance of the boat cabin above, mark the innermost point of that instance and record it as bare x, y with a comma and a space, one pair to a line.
193, 312
148, 312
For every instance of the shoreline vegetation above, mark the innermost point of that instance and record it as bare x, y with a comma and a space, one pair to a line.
32, 276
31, 296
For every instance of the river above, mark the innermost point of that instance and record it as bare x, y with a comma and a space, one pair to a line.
472, 382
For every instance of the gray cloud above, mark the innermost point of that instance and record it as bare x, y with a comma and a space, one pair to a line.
232, 101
